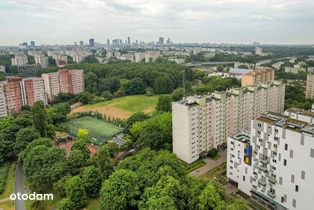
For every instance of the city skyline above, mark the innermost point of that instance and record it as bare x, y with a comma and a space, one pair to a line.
63, 22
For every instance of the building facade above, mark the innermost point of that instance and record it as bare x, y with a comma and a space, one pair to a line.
13, 95
204, 122
258, 76
42, 60
65, 81
281, 155
33, 89
19, 60
309, 91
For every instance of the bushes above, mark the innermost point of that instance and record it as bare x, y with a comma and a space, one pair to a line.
195, 165
212, 153
4, 170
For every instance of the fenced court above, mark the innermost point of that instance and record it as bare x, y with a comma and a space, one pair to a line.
99, 130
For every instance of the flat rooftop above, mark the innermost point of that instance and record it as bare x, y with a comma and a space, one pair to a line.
243, 136
286, 122
301, 111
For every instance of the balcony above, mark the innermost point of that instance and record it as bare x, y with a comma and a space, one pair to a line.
272, 179
263, 167
262, 182
264, 161
271, 194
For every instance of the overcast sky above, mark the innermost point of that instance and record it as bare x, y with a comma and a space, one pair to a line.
230, 21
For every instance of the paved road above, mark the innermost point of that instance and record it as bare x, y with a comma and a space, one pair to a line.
210, 164
19, 187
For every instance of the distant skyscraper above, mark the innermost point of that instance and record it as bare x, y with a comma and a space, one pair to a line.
129, 40
32, 43
108, 41
75, 43
168, 41
91, 42
81, 43
161, 40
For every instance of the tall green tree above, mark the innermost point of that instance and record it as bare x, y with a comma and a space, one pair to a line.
75, 192
40, 119
104, 162
163, 84
120, 191
91, 180
76, 161
24, 137
164, 103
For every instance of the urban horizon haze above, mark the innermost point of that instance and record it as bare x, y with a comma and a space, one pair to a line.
222, 21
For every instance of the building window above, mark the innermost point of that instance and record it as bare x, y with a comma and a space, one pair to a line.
282, 199
294, 203
297, 188
291, 153
292, 178
312, 153
302, 174
280, 180
284, 162
286, 146
244, 178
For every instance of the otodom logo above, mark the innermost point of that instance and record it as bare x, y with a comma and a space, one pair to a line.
33, 196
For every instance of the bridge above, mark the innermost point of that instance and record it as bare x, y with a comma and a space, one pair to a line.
208, 63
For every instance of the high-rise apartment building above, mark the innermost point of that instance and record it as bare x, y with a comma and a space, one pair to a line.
42, 60
33, 89
204, 122
3, 105
13, 94
309, 92
19, 60
51, 81
273, 163
151, 56
66, 81
258, 76
139, 56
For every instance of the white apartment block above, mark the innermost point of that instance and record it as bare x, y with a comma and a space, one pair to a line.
42, 60
282, 156
300, 114
204, 122
2, 69
139, 57
52, 87
19, 60
239, 161
151, 56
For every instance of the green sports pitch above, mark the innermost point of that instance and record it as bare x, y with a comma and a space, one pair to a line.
99, 130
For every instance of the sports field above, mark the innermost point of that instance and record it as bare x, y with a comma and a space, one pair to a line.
122, 107
98, 129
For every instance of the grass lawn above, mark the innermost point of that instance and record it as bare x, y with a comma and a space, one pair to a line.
215, 172
98, 129
9, 189
122, 107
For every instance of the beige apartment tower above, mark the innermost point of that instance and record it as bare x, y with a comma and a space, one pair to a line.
204, 122
258, 76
